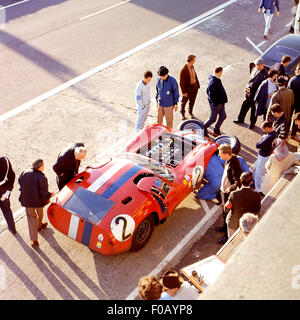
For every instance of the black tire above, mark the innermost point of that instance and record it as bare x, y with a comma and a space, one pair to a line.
192, 124
232, 140
142, 233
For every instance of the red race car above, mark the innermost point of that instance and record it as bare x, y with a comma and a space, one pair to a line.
113, 207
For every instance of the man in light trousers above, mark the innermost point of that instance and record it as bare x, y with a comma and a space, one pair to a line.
267, 7
143, 102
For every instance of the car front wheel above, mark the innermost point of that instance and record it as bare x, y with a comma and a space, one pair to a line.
142, 233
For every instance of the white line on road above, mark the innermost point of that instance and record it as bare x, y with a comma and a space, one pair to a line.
104, 10
260, 44
196, 23
14, 4
227, 68
254, 45
109, 63
209, 213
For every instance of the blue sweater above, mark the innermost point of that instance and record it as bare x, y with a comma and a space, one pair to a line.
167, 93
269, 4
264, 145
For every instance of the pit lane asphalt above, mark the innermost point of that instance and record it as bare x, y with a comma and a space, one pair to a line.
99, 111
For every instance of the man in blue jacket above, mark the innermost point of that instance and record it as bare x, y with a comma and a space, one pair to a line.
217, 98
167, 96
267, 7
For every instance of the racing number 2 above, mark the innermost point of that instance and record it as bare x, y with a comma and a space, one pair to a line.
124, 236
122, 227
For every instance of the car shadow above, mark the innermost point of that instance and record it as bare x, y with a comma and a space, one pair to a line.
48, 236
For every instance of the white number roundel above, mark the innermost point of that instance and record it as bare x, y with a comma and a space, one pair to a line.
122, 227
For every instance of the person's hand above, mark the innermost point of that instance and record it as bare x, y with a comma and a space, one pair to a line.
184, 94
259, 10
5, 195
52, 194
278, 13
175, 107
157, 105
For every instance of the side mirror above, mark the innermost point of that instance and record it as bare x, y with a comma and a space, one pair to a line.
145, 184
197, 176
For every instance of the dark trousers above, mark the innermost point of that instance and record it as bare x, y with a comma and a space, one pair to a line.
225, 197
247, 104
218, 110
192, 91
5, 207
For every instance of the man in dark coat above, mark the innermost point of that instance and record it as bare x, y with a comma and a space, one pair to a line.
280, 124
294, 84
7, 180
189, 85
34, 196
241, 201
217, 98
280, 66
257, 76
230, 181
68, 162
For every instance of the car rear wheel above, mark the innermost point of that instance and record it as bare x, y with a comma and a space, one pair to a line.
192, 124
232, 140
142, 233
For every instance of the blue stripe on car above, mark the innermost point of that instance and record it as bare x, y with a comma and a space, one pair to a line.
87, 231
119, 182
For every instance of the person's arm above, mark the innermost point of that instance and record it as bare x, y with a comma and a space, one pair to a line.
277, 7
261, 6
283, 131
11, 176
58, 166
211, 90
43, 187
175, 91
182, 82
138, 96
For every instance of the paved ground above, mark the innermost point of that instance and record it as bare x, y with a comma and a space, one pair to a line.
100, 110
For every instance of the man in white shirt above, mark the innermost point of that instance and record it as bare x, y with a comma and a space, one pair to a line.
142, 96
177, 288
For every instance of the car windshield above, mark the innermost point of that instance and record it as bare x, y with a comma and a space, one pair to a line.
146, 162
89, 205
278, 51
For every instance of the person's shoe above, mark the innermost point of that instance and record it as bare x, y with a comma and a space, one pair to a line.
237, 121
216, 201
265, 37
14, 232
183, 117
261, 195
35, 244
217, 132
251, 126
220, 229
222, 240
44, 226
192, 116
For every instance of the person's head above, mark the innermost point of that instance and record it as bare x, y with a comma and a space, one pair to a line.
246, 179
171, 282
267, 126
297, 119
149, 288
272, 74
218, 72
285, 60
247, 222
147, 76
80, 153
281, 81
38, 165
225, 151
297, 71
191, 59
259, 63
276, 110
163, 72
